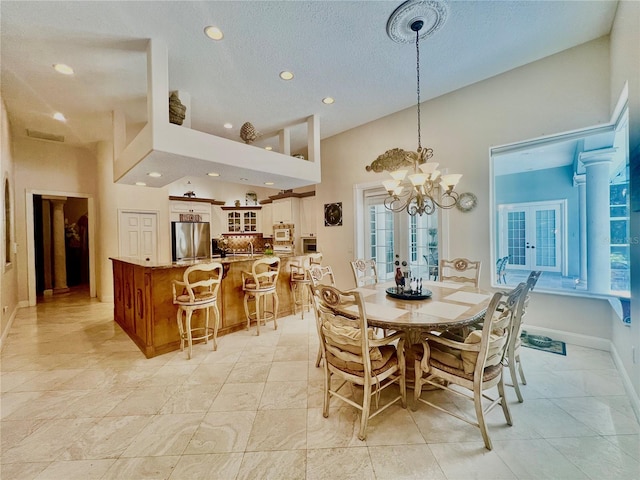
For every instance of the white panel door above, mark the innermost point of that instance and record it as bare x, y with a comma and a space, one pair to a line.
138, 236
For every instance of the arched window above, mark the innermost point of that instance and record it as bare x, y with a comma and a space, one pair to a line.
7, 222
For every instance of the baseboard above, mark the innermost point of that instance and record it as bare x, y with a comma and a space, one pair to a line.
626, 381
5, 332
570, 337
106, 299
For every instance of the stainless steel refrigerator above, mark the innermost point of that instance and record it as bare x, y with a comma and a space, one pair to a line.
190, 240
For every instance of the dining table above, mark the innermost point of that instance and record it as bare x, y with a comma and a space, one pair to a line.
440, 306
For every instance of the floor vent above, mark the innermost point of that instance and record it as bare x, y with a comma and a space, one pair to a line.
45, 136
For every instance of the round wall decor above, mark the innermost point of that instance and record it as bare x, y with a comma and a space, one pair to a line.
466, 202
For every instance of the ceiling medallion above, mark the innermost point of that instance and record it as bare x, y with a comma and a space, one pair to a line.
433, 14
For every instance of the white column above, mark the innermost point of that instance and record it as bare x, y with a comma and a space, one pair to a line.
580, 182
46, 245
59, 253
596, 164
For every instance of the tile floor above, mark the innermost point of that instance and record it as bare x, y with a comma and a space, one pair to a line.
79, 401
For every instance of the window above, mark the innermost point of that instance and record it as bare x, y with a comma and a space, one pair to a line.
619, 234
549, 214
412, 239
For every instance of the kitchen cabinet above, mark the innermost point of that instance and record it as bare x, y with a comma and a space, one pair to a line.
186, 207
242, 219
266, 220
286, 210
308, 217
143, 304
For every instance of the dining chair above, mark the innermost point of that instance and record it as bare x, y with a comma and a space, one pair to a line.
364, 272
320, 275
355, 356
460, 270
198, 290
515, 341
501, 270
258, 285
299, 280
474, 363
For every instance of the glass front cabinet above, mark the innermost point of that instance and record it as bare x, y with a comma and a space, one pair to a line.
242, 220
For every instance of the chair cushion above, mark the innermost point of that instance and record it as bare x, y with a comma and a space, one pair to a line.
249, 284
200, 297
446, 355
494, 356
465, 360
489, 372
340, 326
388, 359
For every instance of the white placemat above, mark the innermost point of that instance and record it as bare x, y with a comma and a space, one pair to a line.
467, 297
365, 292
452, 285
379, 312
444, 310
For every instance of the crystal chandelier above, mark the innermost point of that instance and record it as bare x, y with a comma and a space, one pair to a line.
416, 185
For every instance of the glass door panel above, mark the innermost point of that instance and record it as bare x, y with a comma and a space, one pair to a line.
530, 234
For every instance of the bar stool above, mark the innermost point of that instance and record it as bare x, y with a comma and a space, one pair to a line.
200, 284
259, 284
299, 281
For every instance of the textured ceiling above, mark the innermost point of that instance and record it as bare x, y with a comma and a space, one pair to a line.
335, 48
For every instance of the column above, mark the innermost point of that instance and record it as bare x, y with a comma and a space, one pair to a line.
580, 182
46, 247
596, 164
59, 253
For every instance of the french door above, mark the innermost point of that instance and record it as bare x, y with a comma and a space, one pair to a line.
531, 234
412, 239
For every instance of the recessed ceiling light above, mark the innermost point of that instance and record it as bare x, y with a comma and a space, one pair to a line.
154, 174
244, 179
286, 75
59, 116
141, 184
268, 148
268, 183
63, 69
328, 100
213, 174
214, 33
228, 125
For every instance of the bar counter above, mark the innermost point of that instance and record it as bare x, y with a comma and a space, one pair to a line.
143, 300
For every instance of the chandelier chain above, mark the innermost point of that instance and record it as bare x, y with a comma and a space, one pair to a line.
418, 84
416, 185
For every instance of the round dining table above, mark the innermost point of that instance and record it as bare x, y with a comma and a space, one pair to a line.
438, 307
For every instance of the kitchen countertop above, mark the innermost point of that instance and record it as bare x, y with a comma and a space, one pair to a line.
230, 258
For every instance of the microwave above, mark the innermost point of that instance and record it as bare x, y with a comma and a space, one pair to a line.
309, 245
282, 234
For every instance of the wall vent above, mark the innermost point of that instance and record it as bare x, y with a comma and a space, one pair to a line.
45, 136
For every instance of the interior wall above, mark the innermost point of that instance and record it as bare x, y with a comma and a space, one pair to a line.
51, 167
566, 91
625, 67
8, 274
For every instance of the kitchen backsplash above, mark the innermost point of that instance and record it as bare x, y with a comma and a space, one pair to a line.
240, 243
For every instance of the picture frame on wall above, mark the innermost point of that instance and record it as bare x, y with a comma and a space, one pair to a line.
333, 214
